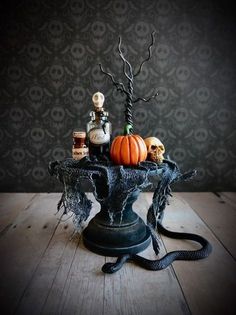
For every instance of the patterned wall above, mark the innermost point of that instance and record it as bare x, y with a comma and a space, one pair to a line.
49, 55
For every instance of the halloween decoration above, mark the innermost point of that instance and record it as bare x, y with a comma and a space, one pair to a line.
79, 149
128, 149
155, 149
99, 129
98, 100
117, 230
130, 74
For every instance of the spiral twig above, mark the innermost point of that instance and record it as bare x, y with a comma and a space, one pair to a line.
129, 105
149, 54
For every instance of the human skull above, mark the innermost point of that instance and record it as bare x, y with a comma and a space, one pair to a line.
155, 149
98, 100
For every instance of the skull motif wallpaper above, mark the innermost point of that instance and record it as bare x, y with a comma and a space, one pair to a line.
49, 69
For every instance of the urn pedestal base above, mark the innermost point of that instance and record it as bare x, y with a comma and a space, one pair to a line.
125, 233
115, 241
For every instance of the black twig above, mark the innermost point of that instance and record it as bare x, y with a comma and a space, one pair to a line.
144, 99
125, 62
119, 85
149, 54
129, 74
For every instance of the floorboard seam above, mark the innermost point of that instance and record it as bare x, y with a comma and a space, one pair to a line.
49, 291
6, 228
72, 261
104, 291
30, 202
173, 269
209, 228
37, 266
230, 202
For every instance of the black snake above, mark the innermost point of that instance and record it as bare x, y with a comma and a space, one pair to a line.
168, 259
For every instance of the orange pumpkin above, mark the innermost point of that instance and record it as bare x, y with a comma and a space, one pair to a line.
128, 150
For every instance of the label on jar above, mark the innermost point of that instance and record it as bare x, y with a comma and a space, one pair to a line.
79, 153
97, 136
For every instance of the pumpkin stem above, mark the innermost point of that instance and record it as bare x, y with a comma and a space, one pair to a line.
128, 130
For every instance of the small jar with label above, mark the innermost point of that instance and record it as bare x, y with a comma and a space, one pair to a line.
79, 149
99, 129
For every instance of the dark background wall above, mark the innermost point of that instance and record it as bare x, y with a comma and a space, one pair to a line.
49, 55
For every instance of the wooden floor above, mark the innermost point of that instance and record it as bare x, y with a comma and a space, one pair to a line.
45, 269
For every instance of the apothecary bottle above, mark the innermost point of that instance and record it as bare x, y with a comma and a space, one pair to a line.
79, 149
99, 129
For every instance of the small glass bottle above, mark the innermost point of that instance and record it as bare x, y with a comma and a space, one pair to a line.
79, 149
99, 129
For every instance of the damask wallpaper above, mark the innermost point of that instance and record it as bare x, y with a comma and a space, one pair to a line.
49, 55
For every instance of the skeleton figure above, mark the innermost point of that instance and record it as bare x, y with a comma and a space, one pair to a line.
155, 149
98, 100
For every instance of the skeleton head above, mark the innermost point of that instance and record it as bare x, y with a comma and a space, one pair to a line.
98, 29
39, 173
155, 149
55, 28
77, 7
14, 73
98, 100
142, 29
34, 51
56, 72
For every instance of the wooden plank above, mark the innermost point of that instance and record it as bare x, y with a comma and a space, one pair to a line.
220, 217
81, 286
133, 290
47, 286
229, 198
56, 295
42, 280
84, 289
22, 248
10, 206
42, 271
209, 285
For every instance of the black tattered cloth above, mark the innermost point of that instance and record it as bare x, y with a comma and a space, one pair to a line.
113, 185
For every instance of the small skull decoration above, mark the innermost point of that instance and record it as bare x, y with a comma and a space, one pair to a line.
155, 149
98, 100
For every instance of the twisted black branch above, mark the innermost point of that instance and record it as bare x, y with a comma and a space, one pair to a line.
129, 105
119, 85
144, 99
149, 54
129, 98
128, 72
125, 62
